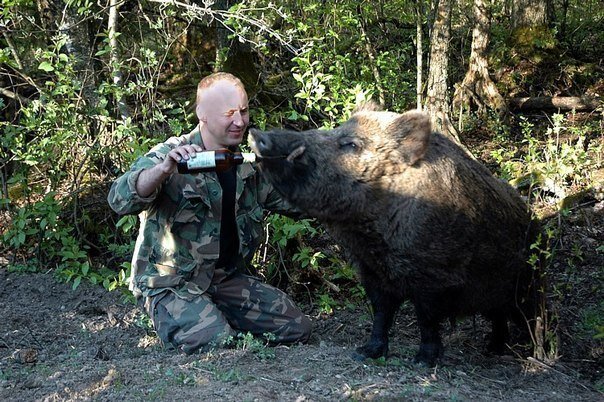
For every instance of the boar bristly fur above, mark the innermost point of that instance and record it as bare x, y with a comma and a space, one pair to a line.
418, 217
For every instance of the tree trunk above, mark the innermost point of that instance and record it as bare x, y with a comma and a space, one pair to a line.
419, 51
565, 6
437, 102
223, 42
117, 74
527, 13
79, 45
371, 55
232, 55
477, 86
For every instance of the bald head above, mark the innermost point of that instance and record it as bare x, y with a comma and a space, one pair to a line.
205, 86
222, 110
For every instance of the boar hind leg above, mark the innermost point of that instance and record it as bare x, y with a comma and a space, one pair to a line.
385, 307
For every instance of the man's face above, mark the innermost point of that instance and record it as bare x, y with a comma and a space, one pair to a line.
223, 114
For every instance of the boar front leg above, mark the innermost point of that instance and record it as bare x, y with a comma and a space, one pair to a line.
385, 305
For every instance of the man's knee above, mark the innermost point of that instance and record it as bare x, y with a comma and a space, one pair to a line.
189, 325
297, 329
304, 328
202, 337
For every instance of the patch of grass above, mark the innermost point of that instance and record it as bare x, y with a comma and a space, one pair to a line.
390, 362
144, 321
155, 393
181, 378
599, 385
233, 375
327, 304
31, 267
257, 346
591, 324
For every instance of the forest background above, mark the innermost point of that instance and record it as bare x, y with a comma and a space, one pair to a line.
87, 87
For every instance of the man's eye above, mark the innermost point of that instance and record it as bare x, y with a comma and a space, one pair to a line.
244, 111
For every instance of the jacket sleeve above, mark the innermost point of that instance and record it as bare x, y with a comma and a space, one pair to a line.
123, 197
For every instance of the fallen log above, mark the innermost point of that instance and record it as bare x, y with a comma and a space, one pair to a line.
562, 103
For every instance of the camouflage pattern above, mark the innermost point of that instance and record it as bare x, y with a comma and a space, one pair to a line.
232, 303
173, 265
179, 233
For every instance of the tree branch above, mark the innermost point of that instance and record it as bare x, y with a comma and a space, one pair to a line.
205, 12
371, 55
578, 103
13, 49
14, 95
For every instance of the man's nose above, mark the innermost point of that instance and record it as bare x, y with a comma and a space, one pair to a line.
238, 119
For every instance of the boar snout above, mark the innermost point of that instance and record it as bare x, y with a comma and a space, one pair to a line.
270, 145
261, 142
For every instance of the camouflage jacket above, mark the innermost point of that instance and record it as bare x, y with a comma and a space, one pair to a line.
179, 234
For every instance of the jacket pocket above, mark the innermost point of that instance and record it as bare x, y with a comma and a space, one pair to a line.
170, 263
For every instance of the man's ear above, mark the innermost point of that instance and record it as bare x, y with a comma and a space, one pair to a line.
200, 115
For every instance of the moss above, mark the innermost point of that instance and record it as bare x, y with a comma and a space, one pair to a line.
534, 42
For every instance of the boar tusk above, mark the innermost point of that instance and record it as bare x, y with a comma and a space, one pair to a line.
295, 153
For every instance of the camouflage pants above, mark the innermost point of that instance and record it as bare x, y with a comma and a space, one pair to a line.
235, 303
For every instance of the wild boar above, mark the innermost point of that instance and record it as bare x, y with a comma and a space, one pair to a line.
417, 216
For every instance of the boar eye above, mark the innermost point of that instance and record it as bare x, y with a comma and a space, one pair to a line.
350, 144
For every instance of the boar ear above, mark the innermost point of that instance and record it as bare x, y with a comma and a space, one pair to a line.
369, 106
412, 129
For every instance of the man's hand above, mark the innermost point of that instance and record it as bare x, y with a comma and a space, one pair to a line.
150, 179
184, 152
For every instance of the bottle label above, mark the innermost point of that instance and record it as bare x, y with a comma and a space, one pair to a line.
202, 160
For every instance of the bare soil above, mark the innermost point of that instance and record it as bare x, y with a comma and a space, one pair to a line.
89, 344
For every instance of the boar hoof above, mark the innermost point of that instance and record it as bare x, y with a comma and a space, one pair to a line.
429, 353
370, 351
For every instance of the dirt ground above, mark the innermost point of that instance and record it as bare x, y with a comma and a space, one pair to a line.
89, 344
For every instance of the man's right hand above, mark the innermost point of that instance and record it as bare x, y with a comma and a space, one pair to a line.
183, 152
150, 179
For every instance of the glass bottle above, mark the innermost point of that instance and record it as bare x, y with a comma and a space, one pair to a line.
214, 161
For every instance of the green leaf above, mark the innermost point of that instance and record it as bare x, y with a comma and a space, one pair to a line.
46, 66
127, 222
